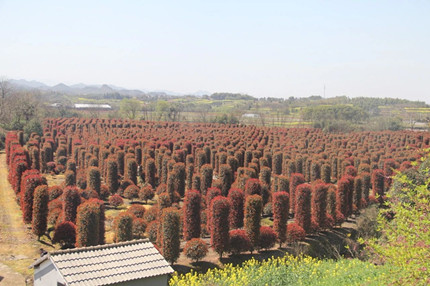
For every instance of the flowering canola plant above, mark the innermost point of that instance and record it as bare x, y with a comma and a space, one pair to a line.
290, 270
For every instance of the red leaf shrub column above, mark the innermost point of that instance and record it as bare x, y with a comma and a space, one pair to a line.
319, 204
170, 220
219, 212
253, 187
342, 198
93, 179
88, 224
191, 217
226, 178
303, 207
28, 185
40, 210
179, 170
280, 207
123, 227
295, 180
237, 198
71, 202
131, 170
253, 209
112, 179
206, 172
378, 179
150, 172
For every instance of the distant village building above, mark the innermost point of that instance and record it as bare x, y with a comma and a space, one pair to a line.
55, 104
251, 115
92, 106
130, 263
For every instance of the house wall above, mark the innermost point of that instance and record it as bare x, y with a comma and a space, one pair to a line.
150, 281
47, 275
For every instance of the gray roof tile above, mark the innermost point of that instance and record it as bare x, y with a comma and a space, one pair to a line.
110, 263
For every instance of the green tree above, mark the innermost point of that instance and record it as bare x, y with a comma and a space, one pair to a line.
130, 107
404, 225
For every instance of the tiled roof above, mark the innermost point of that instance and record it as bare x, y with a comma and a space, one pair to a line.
110, 263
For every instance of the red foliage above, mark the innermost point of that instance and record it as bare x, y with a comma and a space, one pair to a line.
239, 241
303, 207
137, 210
195, 249
226, 178
253, 187
28, 185
88, 224
139, 228
71, 202
267, 237
170, 243
54, 192
295, 233
351, 171
123, 227
146, 193
131, 192
65, 234
236, 197
40, 210
295, 180
378, 181
342, 197
115, 200
151, 230
219, 213
319, 203
280, 208
112, 179
253, 210
206, 172
191, 217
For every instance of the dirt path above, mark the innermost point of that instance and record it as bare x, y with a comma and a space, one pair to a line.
17, 248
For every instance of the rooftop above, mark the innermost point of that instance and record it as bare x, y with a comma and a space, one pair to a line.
108, 264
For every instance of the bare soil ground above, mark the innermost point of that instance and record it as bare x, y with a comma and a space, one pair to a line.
18, 248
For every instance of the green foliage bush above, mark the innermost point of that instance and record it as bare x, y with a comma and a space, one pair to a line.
405, 226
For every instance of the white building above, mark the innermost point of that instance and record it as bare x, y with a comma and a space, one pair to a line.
92, 106
130, 263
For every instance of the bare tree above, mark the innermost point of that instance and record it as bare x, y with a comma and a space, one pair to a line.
5, 87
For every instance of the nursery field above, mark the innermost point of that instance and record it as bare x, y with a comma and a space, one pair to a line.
190, 187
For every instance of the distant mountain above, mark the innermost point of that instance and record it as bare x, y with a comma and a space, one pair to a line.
76, 89
93, 90
62, 88
27, 84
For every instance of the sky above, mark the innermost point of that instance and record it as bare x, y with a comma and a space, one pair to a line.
261, 48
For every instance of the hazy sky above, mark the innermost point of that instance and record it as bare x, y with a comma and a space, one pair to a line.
262, 48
